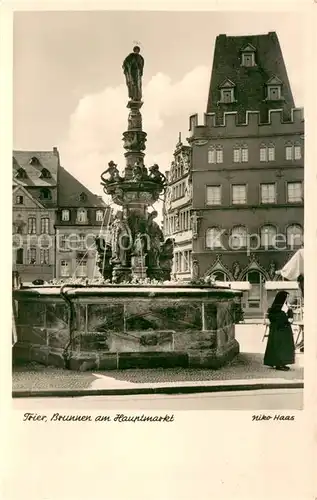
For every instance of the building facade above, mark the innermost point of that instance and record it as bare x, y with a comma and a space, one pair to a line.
247, 167
177, 213
81, 216
55, 219
34, 206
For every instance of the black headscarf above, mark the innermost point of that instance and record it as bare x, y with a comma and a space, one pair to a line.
279, 300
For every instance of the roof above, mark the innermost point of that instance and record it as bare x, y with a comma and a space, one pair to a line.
70, 189
46, 159
250, 82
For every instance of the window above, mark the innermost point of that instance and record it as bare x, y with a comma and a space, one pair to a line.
44, 256
239, 237
99, 215
81, 268
45, 225
34, 161
63, 242
268, 193
294, 192
65, 215
227, 96
19, 200
82, 197
45, 174
82, 215
268, 236
293, 152
294, 235
81, 242
240, 154
45, 194
215, 155
21, 174
267, 153
297, 152
213, 238
31, 225
19, 256
273, 93
32, 256
213, 195
248, 59
64, 268
239, 194
219, 276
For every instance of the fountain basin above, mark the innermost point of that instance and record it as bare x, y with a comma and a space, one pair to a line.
119, 327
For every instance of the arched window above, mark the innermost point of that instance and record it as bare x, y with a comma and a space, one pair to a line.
238, 237
45, 194
213, 238
45, 174
294, 234
19, 256
219, 276
268, 236
81, 215
65, 215
99, 215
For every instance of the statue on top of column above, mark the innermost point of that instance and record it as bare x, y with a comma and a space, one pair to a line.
133, 70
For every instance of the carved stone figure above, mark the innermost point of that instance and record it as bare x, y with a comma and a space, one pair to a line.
195, 270
133, 69
139, 247
104, 257
113, 172
186, 161
272, 270
156, 175
134, 120
166, 258
156, 238
195, 218
236, 270
137, 172
121, 240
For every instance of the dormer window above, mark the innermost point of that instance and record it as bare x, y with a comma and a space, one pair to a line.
248, 56
82, 197
99, 216
227, 92
82, 215
34, 161
21, 174
45, 194
274, 89
45, 174
65, 215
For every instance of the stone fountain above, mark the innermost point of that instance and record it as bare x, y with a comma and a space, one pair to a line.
137, 247
136, 318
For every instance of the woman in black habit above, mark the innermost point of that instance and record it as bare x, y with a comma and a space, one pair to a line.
280, 348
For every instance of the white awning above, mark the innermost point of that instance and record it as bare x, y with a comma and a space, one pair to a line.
294, 267
281, 285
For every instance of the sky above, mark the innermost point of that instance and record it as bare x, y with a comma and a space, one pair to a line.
69, 88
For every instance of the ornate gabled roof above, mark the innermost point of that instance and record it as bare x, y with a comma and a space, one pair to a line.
72, 193
25, 160
250, 82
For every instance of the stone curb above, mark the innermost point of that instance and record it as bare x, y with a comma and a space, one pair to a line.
180, 389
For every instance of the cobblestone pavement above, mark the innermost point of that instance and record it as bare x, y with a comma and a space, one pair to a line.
247, 365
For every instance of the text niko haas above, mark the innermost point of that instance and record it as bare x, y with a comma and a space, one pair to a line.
273, 417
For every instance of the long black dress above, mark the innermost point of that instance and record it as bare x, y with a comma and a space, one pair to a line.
280, 348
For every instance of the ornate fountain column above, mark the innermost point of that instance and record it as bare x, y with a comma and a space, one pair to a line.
138, 189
